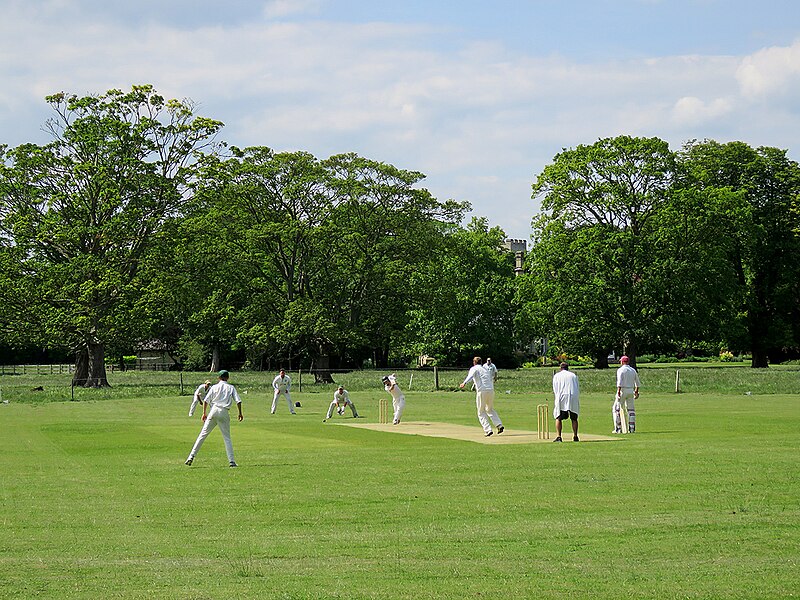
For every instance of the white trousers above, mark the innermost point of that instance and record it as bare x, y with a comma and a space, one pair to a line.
398, 404
195, 402
216, 416
625, 401
288, 397
334, 404
486, 412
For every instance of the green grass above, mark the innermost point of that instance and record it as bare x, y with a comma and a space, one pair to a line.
95, 502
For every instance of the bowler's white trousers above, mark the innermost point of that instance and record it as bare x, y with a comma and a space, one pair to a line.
216, 416
485, 403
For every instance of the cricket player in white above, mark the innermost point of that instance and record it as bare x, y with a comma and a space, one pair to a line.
627, 391
483, 378
492, 368
220, 398
199, 394
341, 400
282, 384
566, 402
398, 399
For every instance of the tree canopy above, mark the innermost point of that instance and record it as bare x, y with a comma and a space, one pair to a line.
135, 225
79, 214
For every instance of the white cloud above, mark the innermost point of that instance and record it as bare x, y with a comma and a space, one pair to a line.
480, 121
774, 70
691, 110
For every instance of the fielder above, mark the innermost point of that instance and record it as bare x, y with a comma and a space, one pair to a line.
566, 404
492, 368
282, 384
220, 398
627, 391
199, 394
398, 399
483, 378
341, 400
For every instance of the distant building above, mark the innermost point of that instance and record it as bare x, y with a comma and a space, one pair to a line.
519, 248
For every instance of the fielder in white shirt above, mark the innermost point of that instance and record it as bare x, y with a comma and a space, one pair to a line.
492, 368
627, 391
341, 400
566, 404
398, 399
220, 398
282, 384
199, 394
483, 378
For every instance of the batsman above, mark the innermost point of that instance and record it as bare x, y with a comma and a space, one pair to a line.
627, 392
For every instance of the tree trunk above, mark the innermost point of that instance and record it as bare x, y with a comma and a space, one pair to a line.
629, 349
322, 374
758, 329
760, 359
601, 359
380, 358
81, 373
97, 366
215, 361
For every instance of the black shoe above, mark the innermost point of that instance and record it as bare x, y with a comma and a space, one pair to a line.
575, 439
500, 429
558, 439
490, 433
233, 464
323, 420
188, 462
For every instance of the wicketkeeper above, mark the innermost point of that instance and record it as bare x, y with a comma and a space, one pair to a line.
341, 400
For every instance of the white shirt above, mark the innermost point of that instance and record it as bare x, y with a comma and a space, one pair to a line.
627, 377
200, 392
222, 395
482, 378
393, 388
492, 369
565, 390
342, 397
282, 384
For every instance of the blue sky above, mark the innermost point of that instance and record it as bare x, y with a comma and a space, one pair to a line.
478, 95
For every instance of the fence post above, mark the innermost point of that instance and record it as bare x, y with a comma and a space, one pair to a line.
677, 381
299, 380
436, 378
181, 372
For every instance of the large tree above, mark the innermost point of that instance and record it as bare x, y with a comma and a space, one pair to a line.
596, 267
79, 214
328, 246
760, 239
467, 298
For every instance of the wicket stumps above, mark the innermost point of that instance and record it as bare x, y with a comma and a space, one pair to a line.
383, 410
543, 419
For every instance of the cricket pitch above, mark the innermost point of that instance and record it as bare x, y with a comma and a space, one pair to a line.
472, 434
